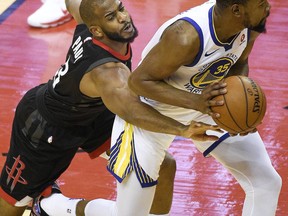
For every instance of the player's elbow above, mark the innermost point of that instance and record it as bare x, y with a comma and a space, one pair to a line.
140, 84
133, 83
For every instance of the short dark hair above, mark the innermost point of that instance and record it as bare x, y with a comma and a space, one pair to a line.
227, 3
87, 10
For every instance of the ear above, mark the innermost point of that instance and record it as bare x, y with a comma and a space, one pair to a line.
236, 10
96, 31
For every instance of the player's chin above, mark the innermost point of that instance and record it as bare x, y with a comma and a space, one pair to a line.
130, 35
261, 27
127, 38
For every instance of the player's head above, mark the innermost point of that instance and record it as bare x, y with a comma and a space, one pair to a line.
108, 19
252, 13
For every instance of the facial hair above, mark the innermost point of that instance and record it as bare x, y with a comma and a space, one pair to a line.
117, 37
260, 28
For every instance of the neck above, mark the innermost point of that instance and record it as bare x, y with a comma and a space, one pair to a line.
225, 25
119, 47
116, 48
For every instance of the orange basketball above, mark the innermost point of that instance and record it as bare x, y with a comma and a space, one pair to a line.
245, 105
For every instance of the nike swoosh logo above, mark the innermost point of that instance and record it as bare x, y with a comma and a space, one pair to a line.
208, 54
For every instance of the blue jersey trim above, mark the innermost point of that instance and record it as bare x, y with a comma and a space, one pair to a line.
144, 179
215, 144
248, 35
10, 10
211, 27
227, 46
200, 33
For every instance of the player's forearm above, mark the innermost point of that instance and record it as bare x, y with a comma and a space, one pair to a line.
164, 93
145, 117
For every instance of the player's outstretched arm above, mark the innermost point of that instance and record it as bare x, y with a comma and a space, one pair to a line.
118, 98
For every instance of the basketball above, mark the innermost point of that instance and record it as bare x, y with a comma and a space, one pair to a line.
244, 105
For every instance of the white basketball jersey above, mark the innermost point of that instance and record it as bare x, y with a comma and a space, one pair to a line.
213, 60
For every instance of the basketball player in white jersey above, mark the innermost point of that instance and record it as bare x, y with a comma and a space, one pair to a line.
190, 51
199, 46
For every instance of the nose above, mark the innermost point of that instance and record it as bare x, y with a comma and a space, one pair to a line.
122, 16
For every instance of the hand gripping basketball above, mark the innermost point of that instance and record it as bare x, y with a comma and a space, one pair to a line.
244, 105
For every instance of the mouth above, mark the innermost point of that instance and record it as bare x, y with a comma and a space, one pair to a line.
128, 28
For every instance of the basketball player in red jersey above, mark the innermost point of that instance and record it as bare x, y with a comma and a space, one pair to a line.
75, 109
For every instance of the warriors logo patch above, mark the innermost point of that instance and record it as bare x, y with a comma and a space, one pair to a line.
212, 72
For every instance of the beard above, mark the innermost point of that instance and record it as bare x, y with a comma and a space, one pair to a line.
117, 37
260, 28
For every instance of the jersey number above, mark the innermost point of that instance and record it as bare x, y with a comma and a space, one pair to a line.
61, 72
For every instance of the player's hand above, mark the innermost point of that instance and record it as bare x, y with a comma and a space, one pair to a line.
197, 131
209, 92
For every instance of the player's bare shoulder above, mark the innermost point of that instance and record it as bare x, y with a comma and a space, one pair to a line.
183, 39
182, 32
113, 69
94, 81
109, 68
